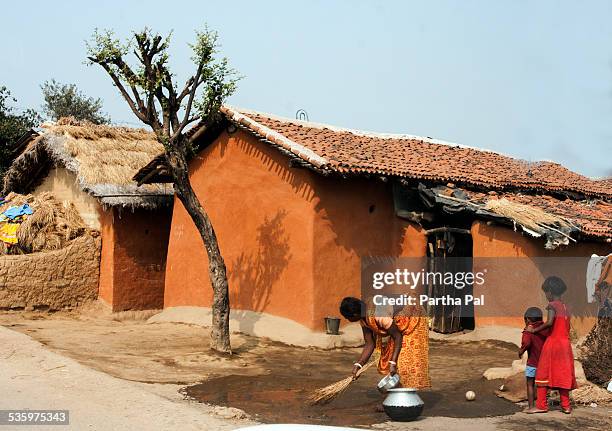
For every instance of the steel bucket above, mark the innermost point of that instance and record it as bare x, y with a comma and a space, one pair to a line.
332, 325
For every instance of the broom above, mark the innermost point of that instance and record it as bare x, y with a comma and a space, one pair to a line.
328, 393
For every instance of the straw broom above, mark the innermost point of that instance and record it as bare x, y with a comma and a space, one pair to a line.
328, 393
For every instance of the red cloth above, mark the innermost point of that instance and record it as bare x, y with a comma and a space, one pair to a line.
542, 403
556, 365
533, 343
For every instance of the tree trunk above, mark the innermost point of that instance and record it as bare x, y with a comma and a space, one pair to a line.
220, 336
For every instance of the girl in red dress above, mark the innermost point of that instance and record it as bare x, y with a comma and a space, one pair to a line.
556, 365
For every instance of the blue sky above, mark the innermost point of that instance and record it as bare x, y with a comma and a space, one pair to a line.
531, 79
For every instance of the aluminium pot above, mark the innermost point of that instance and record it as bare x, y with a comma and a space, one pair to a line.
388, 382
403, 404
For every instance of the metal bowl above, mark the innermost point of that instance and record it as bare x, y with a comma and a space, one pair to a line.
388, 382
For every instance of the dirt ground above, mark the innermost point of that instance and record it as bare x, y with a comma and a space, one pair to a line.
267, 380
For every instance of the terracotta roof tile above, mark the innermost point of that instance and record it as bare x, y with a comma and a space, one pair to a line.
349, 151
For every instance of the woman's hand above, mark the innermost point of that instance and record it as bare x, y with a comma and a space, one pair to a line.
368, 348
392, 369
397, 337
356, 368
530, 329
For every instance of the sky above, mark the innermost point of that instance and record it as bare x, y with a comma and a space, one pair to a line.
530, 79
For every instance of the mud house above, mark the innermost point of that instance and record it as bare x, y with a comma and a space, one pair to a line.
296, 205
91, 167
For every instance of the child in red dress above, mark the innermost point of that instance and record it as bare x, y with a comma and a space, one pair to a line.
532, 343
556, 364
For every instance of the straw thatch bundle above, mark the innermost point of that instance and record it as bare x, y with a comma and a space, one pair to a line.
51, 227
530, 217
535, 221
589, 393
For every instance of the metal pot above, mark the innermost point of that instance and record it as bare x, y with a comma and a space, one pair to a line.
332, 325
403, 404
388, 382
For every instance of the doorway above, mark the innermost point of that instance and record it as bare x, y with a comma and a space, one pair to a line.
449, 252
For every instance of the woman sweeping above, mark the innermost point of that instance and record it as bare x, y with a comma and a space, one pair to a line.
406, 351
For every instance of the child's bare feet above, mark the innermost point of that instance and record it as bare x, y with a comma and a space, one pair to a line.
533, 410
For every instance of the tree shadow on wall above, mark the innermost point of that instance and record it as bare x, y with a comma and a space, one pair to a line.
255, 272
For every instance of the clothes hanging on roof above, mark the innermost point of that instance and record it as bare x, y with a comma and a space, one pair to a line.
8, 232
17, 211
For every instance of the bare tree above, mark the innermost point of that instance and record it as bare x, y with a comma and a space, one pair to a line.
157, 101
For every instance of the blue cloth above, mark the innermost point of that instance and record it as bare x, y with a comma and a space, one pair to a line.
14, 212
530, 371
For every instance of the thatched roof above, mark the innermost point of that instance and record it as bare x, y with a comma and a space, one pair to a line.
103, 158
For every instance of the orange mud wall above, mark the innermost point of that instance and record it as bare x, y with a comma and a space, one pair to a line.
509, 293
291, 239
354, 218
133, 257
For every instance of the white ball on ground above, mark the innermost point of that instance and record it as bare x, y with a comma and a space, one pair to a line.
470, 395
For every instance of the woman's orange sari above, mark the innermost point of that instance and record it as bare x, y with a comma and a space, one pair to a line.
413, 361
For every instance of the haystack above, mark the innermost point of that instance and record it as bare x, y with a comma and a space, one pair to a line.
590, 393
51, 227
596, 352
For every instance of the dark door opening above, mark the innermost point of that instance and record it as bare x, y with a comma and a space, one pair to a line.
449, 250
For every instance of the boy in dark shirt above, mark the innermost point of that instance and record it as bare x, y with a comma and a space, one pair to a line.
532, 344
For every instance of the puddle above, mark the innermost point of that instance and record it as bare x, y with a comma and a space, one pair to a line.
273, 400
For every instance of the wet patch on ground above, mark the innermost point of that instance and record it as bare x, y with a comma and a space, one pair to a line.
281, 395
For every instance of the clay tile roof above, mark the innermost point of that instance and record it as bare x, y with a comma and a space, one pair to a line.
350, 151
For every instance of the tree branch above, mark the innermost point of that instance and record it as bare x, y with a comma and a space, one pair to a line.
173, 103
122, 89
194, 87
131, 79
186, 90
